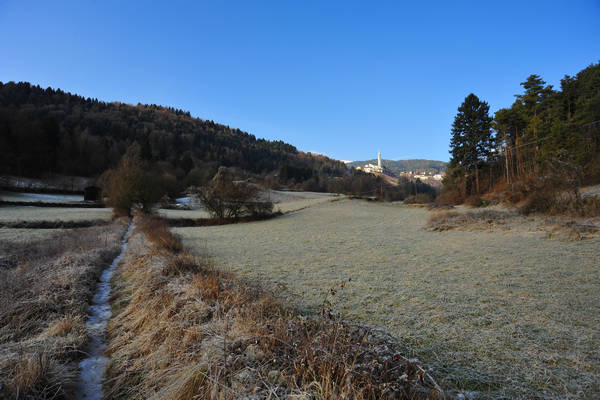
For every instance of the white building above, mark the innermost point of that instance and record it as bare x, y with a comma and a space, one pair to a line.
371, 168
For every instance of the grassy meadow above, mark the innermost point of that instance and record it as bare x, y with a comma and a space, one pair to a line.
32, 214
283, 201
10, 235
504, 314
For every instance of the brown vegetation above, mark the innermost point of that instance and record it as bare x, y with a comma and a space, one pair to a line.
444, 221
421, 198
186, 222
186, 330
226, 198
132, 185
561, 227
550, 201
45, 288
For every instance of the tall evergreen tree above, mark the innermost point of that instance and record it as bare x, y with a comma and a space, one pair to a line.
472, 141
533, 106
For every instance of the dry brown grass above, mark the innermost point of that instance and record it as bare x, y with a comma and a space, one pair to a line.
45, 287
421, 198
551, 202
559, 227
185, 330
447, 220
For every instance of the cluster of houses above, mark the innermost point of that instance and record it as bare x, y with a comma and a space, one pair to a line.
422, 175
381, 169
372, 168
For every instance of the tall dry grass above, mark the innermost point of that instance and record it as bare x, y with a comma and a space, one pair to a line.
45, 288
185, 330
561, 227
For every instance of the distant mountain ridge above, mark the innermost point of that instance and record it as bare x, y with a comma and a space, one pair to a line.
398, 166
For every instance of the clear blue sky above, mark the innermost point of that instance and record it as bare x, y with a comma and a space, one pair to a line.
341, 78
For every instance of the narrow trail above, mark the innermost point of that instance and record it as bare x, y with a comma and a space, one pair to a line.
93, 367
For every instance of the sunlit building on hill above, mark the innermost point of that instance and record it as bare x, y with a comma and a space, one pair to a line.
372, 168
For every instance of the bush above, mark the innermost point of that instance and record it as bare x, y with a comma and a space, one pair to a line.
131, 185
224, 198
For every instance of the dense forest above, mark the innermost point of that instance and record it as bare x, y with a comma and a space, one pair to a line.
47, 131
398, 166
547, 139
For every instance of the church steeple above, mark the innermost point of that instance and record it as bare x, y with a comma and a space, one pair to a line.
379, 159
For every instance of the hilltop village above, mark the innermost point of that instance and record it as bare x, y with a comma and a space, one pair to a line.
429, 177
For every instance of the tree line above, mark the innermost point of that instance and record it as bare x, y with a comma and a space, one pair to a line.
48, 131
544, 134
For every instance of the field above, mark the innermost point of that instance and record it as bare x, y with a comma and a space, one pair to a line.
24, 235
499, 314
292, 201
26, 213
42, 197
283, 201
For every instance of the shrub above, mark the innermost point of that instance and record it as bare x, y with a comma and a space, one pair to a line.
224, 198
131, 185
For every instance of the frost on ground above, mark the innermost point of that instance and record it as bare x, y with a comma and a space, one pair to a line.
184, 330
26, 213
45, 286
498, 218
283, 201
9, 235
292, 201
507, 313
42, 197
57, 182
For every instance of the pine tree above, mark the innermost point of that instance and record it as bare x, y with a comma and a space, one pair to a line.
472, 141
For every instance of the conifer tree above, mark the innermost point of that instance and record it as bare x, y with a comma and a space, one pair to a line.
472, 141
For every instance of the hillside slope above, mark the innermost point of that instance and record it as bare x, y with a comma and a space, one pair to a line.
50, 131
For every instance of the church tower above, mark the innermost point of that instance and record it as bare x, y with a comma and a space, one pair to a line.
379, 159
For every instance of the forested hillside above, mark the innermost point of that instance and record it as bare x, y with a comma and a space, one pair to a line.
50, 131
406, 165
546, 140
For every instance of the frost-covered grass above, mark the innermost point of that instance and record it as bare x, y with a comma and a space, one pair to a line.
43, 197
283, 201
45, 287
183, 330
25, 235
509, 313
292, 201
26, 213
196, 213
